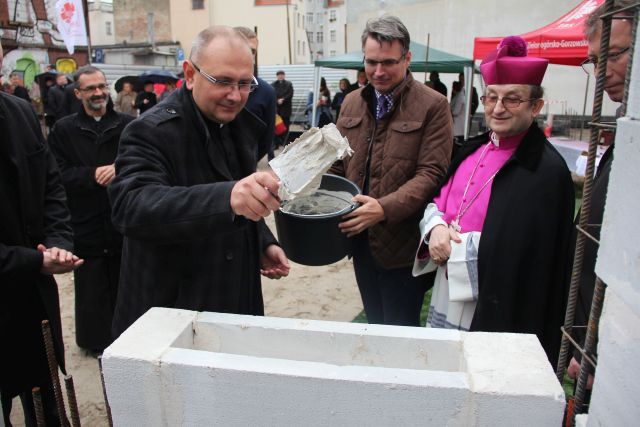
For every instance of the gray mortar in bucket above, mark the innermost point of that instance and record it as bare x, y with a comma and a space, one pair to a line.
302, 163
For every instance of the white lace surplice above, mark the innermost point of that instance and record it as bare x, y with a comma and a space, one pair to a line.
455, 292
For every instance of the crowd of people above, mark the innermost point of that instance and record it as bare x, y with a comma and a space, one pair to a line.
167, 209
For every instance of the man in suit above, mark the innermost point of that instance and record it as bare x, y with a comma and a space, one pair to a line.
262, 100
35, 243
187, 197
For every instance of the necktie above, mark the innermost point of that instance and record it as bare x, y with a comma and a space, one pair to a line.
384, 107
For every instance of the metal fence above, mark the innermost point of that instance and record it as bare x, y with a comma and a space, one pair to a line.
301, 76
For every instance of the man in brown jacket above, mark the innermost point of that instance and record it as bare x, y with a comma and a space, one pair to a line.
401, 132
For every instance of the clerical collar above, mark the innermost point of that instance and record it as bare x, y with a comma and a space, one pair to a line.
507, 142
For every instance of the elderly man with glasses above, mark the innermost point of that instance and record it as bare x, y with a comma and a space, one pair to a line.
187, 196
85, 145
498, 231
401, 132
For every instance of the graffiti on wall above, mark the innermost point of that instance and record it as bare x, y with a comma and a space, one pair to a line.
33, 36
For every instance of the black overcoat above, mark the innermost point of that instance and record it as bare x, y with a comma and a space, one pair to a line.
80, 145
284, 90
523, 257
32, 210
183, 246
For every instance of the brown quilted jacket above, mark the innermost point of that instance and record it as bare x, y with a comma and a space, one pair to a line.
410, 148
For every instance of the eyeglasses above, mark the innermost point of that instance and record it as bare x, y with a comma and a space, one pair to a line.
243, 86
385, 62
590, 65
507, 101
101, 87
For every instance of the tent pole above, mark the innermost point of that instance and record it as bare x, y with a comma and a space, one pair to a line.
468, 82
584, 106
426, 57
316, 89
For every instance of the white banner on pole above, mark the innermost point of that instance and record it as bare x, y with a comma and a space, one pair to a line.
71, 23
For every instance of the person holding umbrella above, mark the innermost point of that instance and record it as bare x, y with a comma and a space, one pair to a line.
147, 98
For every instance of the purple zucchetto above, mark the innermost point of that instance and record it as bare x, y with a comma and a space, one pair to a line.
509, 64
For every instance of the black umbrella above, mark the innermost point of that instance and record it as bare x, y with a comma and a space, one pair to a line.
125, 79
41, 81
42, 77
158, 76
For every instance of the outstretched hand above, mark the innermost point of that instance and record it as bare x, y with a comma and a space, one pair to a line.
274, 263
56, 260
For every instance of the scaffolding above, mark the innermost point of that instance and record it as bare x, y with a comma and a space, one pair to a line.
587, 349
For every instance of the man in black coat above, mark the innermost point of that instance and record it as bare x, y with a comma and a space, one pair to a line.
57, 99
35, 242
361, 81
85, 145
436, 83
284, 101
186, 195
18, 87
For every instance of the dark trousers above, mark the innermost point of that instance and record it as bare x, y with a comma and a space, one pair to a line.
390, 296
96, 289
48, 404
282, 139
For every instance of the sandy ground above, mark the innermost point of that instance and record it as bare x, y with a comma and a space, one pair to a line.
327, 293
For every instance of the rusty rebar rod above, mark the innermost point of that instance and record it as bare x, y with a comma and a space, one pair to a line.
73, 402
585, 209
104, 392
589, 344
53, 371
37, 405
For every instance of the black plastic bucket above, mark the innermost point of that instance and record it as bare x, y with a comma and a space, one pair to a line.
316, 239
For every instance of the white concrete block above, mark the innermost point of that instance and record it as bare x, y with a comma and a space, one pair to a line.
619, 254
222, 369
617, 381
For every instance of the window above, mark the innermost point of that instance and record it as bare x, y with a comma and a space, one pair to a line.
304, 47
319, 18
299, 47
319, 37
332, 15
309, 18
107, 28
310, 36
197, 4
332, 35
332, 53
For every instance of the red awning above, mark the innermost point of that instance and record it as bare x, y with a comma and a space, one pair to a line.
561, 42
